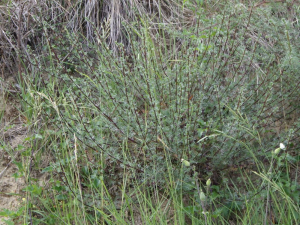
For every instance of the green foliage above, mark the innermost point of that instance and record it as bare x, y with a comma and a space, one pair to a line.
11, 214
219, 92
151, 100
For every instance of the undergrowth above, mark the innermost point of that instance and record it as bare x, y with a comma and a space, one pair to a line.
163, 113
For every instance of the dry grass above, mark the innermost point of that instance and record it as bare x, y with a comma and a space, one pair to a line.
25, 25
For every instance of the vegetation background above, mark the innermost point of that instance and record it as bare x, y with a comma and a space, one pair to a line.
151, 112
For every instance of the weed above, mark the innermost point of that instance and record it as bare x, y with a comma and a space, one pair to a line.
158, 112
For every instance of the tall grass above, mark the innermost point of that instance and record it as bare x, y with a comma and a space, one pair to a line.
121, 93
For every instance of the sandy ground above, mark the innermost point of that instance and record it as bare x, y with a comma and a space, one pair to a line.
12, 133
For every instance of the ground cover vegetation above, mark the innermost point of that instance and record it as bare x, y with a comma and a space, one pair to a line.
155, 112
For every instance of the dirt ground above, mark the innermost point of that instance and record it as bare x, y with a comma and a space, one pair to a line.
12, 134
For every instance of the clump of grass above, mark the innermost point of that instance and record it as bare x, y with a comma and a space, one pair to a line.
122, 103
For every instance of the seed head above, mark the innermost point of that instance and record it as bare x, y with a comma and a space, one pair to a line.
202, 196
185, 162
208, 182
